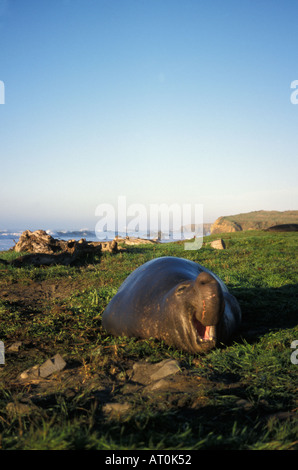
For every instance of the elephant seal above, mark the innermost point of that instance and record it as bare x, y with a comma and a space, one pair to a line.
175, 300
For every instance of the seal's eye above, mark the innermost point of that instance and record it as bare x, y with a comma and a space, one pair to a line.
180, 289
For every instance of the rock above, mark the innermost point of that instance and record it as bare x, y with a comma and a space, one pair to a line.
223, 225
145, 373
158, 385
256, 220
44, 250
38, 242
218, 244
164, 369
135, 241
111, 246
18, 408
14, 347
30, 374
116, 408
55, 364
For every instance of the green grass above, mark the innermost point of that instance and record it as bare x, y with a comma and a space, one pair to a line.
247, 390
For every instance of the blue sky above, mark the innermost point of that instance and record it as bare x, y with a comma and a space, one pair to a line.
161, 101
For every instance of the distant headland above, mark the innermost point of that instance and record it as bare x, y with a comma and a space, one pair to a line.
256, 220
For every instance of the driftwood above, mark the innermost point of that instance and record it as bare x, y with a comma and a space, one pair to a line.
40, 242
135, 241
44, 250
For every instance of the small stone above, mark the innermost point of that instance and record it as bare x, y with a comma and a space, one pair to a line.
14, 347
32, 373
166, 368
55, 364
159, 384
145, 373
116, 408
14, 409
218, 244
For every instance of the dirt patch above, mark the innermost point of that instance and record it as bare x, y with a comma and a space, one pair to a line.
107, 378
38, 292
115, 396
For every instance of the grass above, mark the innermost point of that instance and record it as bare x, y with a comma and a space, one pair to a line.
239, 396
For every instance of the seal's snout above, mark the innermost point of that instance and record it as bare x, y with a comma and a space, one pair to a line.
210, 302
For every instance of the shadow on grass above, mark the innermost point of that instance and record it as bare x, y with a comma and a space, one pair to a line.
221, 427
266, 309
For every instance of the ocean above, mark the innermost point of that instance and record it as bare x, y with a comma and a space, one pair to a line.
9, 238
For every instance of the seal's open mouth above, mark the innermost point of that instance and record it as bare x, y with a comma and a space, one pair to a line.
205, 333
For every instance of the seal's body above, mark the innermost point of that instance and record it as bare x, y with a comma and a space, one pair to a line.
175, 300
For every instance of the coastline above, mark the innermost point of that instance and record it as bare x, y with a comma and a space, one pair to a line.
8, 238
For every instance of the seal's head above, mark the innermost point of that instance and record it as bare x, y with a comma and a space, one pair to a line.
204, 303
